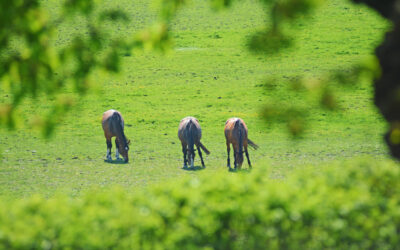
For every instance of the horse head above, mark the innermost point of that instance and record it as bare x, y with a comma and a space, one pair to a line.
239, 158
123, 149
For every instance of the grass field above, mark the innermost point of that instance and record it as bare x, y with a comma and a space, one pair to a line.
211, 75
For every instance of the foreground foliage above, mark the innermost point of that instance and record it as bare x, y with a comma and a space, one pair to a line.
354, 206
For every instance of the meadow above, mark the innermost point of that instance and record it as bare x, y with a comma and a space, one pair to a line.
209, 74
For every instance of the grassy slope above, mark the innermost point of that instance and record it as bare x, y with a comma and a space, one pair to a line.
212, 76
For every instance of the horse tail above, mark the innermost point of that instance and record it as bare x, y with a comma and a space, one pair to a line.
204, 148
252, 144
239, 127
117, 117
191, 135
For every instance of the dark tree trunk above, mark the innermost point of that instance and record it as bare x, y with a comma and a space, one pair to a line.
387, 86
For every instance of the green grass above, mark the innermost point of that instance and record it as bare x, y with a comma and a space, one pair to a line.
210, 75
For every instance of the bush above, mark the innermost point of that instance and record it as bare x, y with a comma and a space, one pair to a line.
348, 207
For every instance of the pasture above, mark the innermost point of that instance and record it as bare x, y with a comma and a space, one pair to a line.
211, 75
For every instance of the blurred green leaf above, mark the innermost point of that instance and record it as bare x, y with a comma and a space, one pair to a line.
269, 42
36, 67
83, 6
114, 15
220, 4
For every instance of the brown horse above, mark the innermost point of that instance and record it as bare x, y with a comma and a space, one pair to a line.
189, 133
236, 133
113, 125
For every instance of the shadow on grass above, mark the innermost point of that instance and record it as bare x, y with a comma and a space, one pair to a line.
115, 161
195, 168
233, 170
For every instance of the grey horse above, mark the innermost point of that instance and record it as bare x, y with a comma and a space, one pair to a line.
190, 134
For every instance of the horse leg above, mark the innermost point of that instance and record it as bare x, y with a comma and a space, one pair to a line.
234, 155
228, 149
201, 156
109, 146
247, 156
192, 159
184, 151
116, 149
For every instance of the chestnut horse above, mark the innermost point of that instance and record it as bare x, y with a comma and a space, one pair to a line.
189, 133
113, 125
236, 133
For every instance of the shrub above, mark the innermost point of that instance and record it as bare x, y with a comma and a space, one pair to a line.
352, 206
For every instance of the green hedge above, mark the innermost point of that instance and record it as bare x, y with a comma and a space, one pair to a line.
347, 207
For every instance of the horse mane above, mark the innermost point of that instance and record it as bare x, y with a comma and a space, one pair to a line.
117, 117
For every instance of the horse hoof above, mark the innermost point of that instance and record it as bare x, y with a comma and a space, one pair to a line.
118, 159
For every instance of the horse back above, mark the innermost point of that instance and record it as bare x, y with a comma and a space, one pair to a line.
233, 127
189, 126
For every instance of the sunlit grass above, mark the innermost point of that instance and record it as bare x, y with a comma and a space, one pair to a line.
212, 76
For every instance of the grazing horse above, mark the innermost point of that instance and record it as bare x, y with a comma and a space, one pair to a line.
190, 134
113, 125
236, 133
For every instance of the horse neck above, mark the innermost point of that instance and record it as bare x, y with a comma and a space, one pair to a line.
121, 137
119, 133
